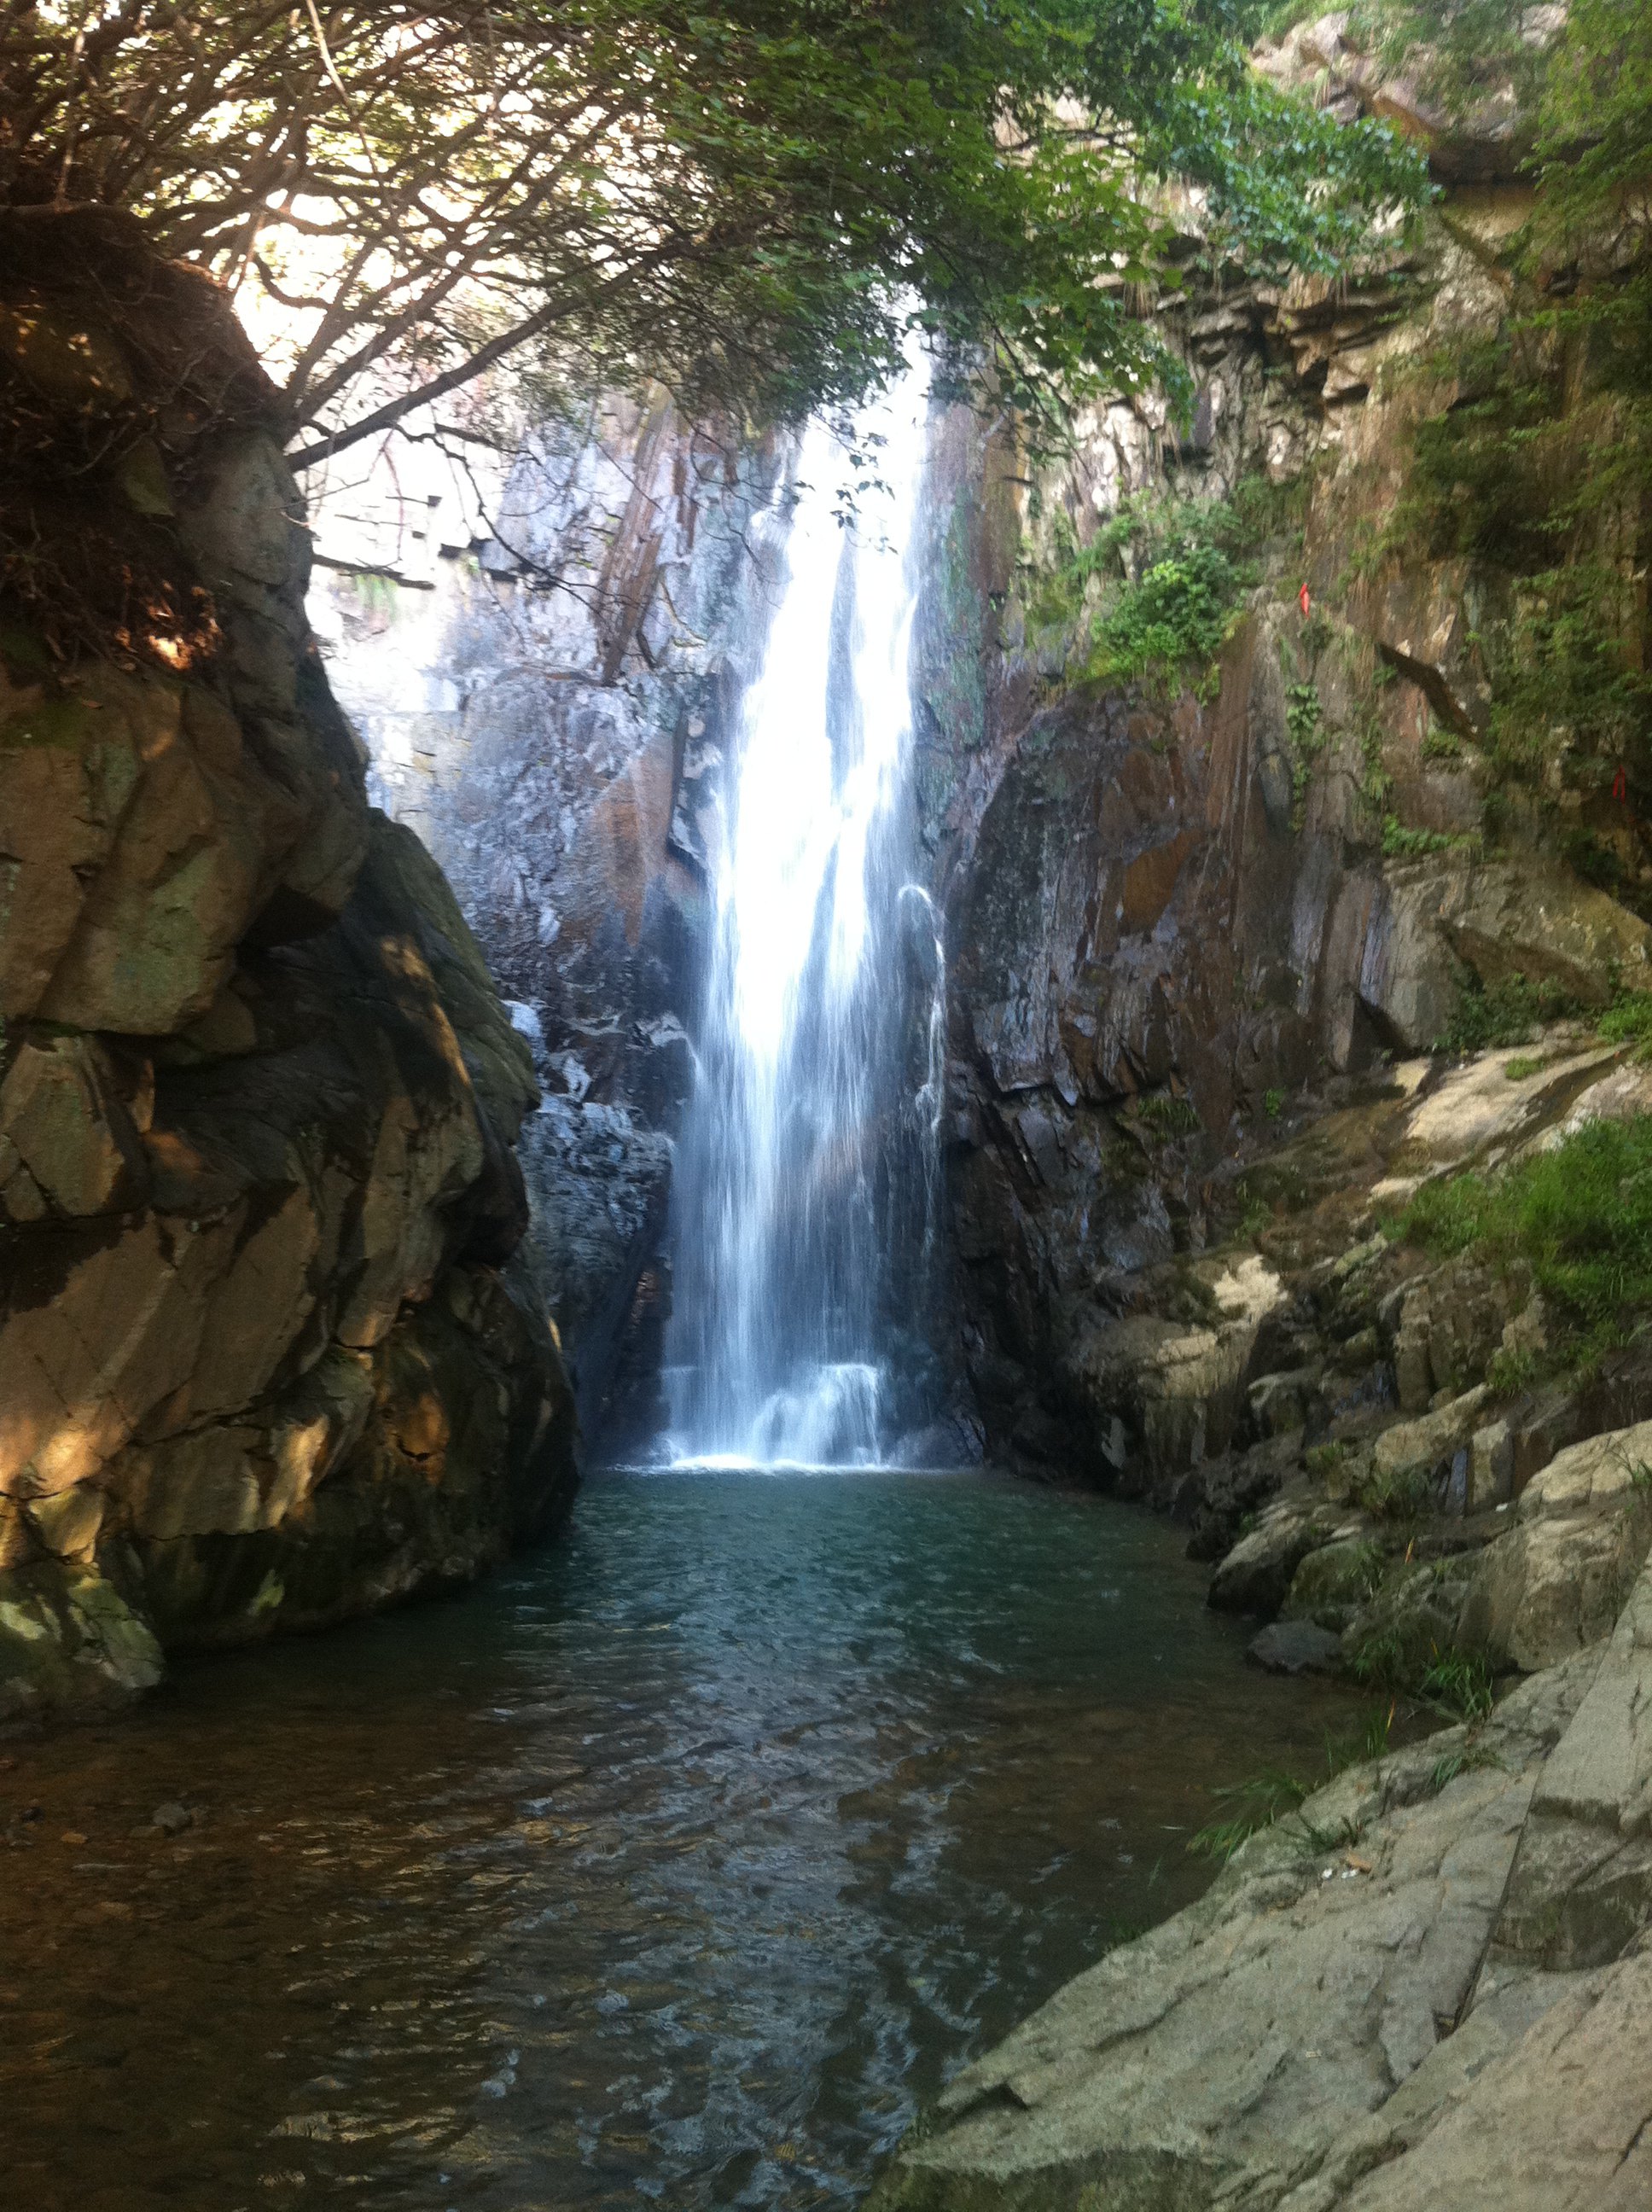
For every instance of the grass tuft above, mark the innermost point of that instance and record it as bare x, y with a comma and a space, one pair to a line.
1274, 1795
1460, 1683
1579, 1215
1405, 1495
1508, 1013
1629, 1021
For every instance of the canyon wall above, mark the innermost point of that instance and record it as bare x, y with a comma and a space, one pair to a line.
269, 1353
1178, 918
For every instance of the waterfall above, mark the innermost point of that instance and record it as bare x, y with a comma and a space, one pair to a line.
810, 1123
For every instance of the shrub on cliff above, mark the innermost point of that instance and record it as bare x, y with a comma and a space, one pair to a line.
1541, 467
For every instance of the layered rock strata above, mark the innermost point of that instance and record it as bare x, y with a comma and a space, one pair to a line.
265, 1357
1171, 918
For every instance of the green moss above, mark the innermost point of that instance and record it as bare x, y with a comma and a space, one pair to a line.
70, 723
1400, 843
1163, 581
1169, 1117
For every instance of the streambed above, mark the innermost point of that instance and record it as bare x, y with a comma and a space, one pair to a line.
679, 1865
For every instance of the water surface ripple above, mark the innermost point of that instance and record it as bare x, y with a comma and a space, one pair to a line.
677, 1865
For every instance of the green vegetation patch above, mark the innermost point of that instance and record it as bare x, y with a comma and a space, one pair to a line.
1399, 843
1579, 1217
1168, 1117
1406, 1495
1460, 1683
1628, 1020
1165, 582
1182, 609
1508, 1012
1304, 720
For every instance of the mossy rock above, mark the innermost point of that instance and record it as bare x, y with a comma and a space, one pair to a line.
70, 1641
1333, 1584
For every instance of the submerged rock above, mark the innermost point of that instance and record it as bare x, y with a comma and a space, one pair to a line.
1295, 1647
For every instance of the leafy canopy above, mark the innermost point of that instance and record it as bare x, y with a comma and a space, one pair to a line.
742, 200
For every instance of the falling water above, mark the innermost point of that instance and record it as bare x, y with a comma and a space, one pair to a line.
818, 1097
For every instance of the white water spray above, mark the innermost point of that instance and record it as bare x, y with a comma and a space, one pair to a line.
783, 1209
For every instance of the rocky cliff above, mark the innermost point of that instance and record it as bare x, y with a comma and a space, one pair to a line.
545, 703
1300, 1027
1184, 914
266, 1357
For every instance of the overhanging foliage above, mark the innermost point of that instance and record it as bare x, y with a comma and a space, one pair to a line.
742, 200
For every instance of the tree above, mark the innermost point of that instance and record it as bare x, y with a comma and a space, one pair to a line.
746, 201
1540, 468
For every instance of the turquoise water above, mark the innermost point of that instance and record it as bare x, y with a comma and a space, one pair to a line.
677, 1865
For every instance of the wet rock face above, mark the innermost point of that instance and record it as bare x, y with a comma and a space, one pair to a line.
1167, 917
550, 716
1118, 888
264, 1361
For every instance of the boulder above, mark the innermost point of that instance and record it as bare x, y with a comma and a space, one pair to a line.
1581, 1887
1258, 1572
69, 1640
260, 1364
1530, 919
1436, 920
1422, 1450
1177, 1389
1491, 1467
1295, 1647
1557, 1581
1255, 2048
